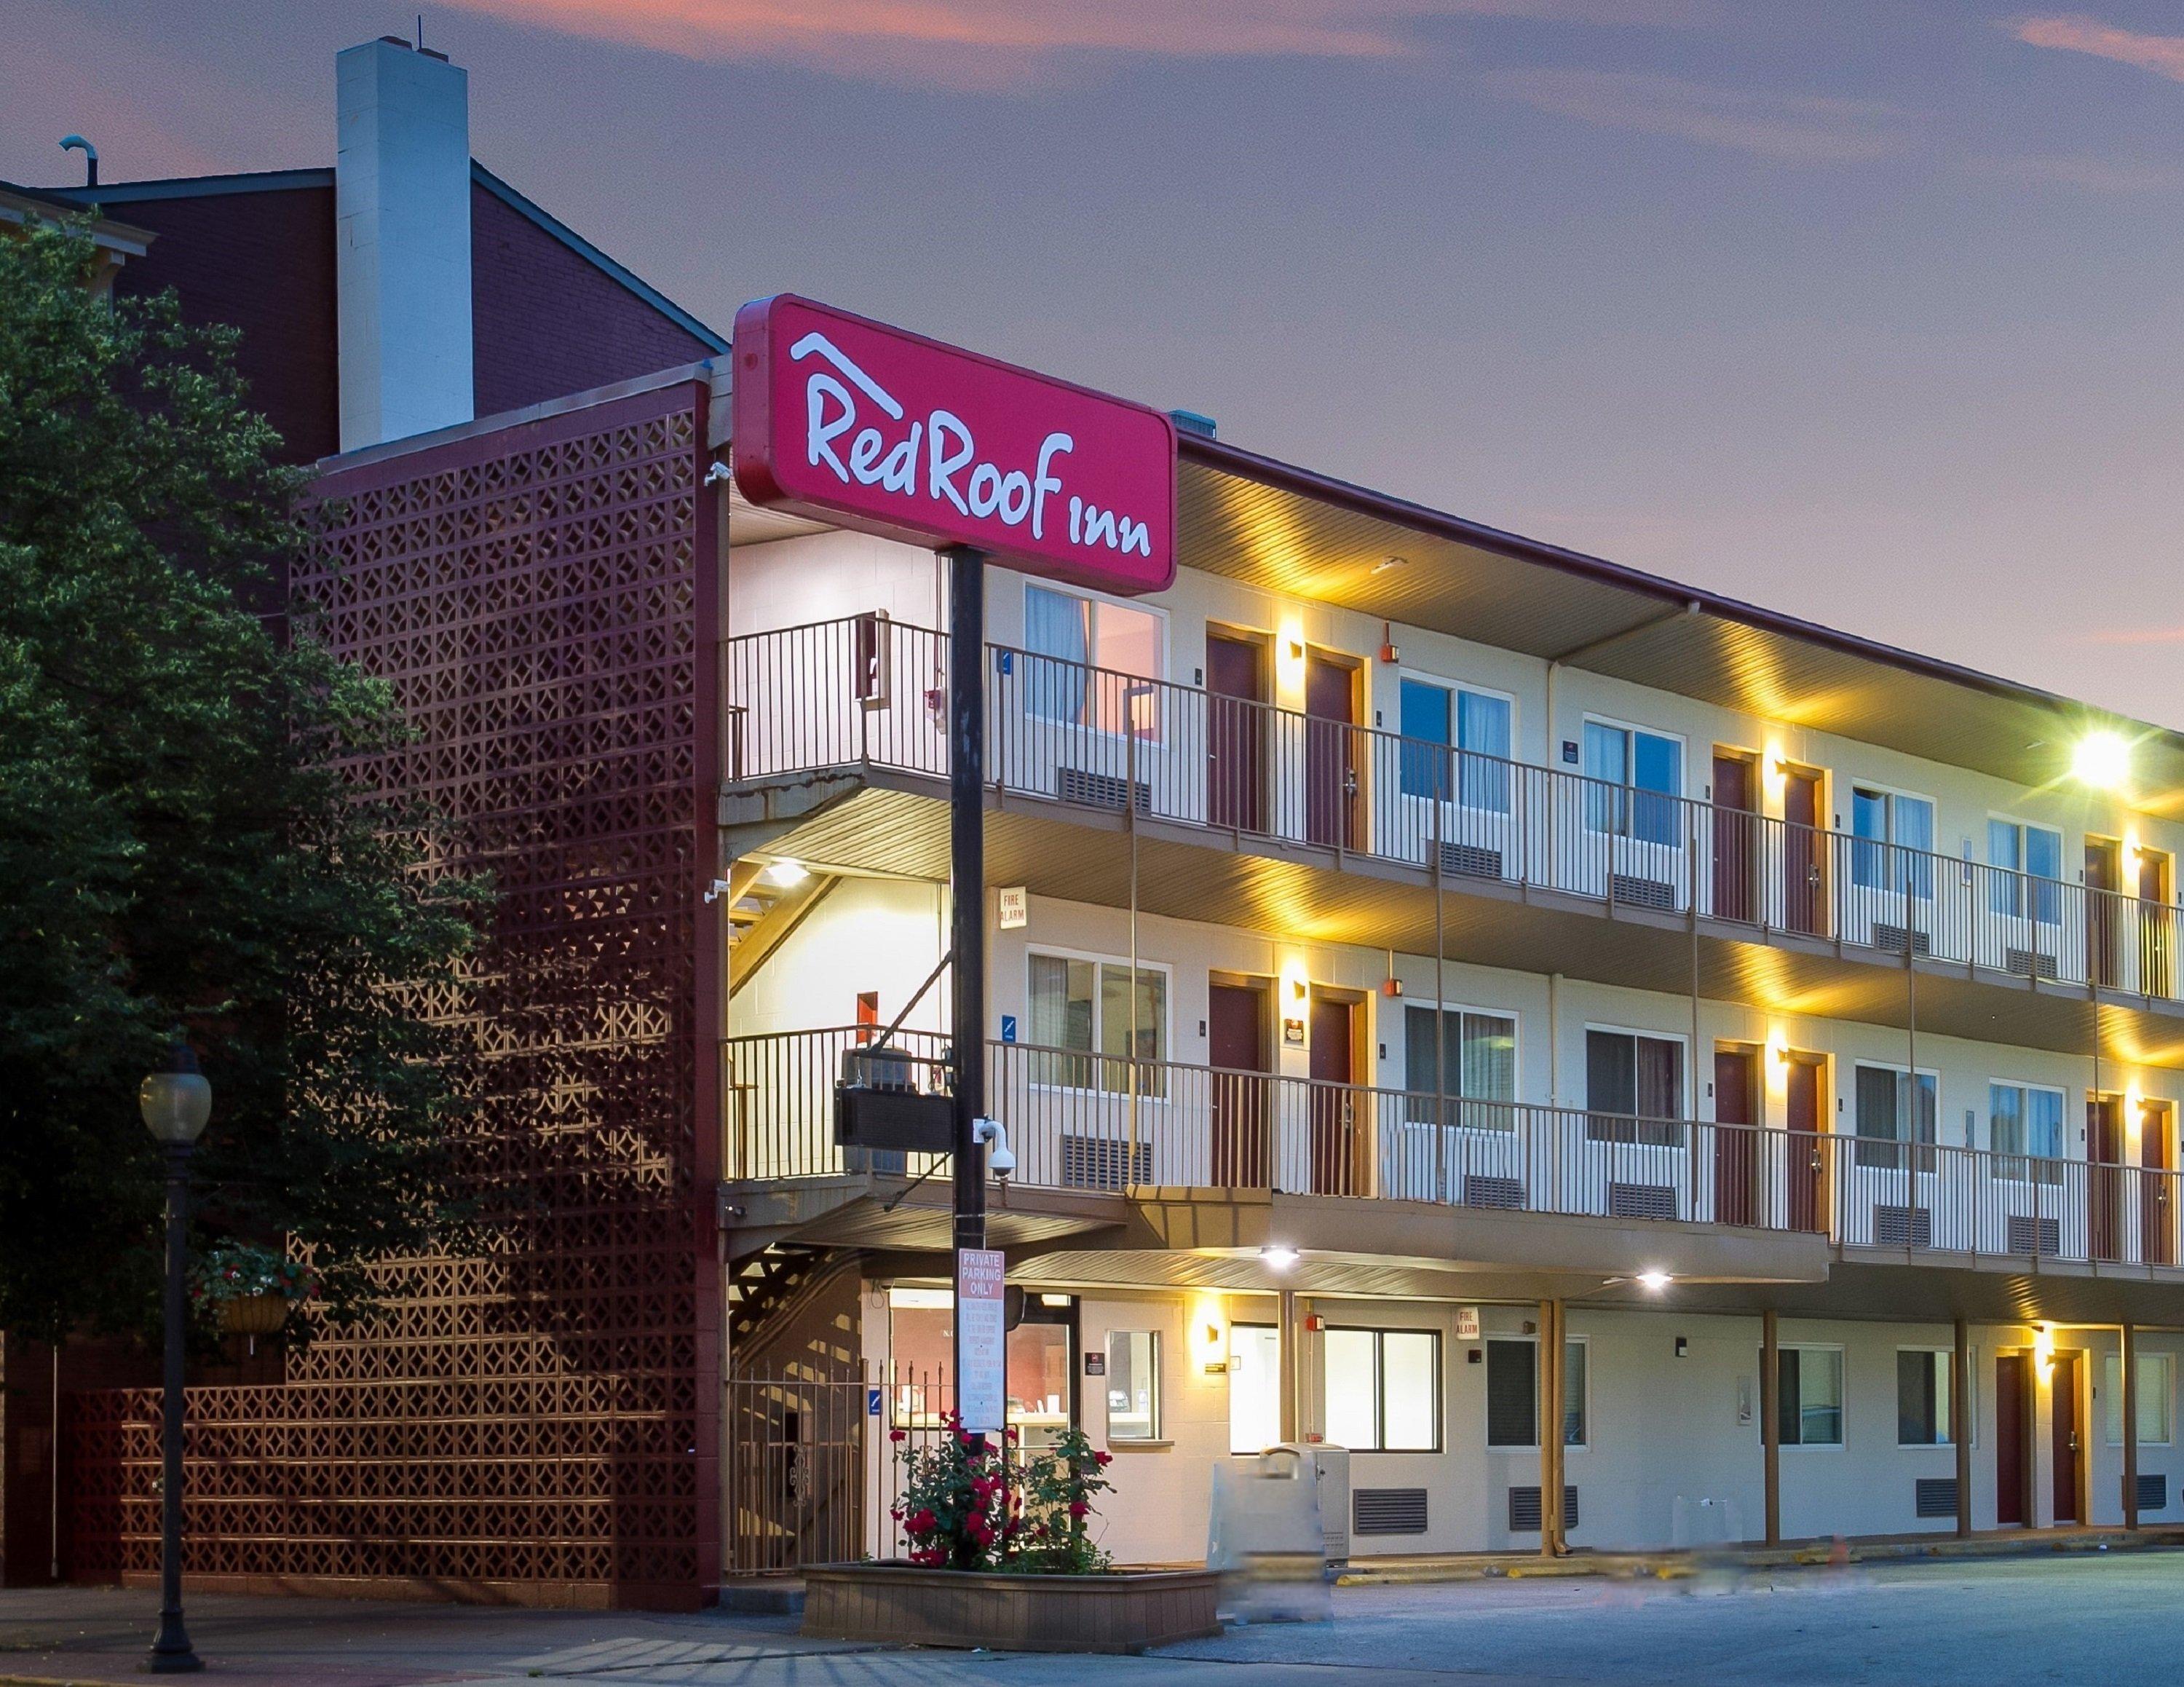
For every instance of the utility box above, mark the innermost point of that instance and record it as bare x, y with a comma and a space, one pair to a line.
879, 1107
1331, 1476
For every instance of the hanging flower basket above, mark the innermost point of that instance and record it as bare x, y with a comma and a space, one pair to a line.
246, 1290
254, 1314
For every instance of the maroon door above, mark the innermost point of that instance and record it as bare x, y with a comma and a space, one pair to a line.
1807, 1148
1735, 1137
1335, 1132
2013, 1438
1330, 753
2156, 975
2105, 1176
1736, 838
2104, 880
1804, 854
1243, 1112
2067, 1438
1236, 732
2157, 1195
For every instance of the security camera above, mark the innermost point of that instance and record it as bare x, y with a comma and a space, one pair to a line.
716, 890
999, 1160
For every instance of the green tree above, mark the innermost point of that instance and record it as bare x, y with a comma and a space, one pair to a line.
178, 844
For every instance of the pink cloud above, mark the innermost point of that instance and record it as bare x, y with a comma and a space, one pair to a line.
2075, 32
957, 42
1790, 128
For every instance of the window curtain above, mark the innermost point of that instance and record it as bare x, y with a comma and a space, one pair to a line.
1057, 633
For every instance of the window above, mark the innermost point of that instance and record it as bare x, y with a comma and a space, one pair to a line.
2025, 1128
1133, 1399
1039, 1365
1092, 663
2031, 860
1512, 1393
1922, 1398
1255, 1387
2156, 1390
1085, 1006
1383, 1389
1634, 779
1475, 725
1478, 1062
1892, 841
1634, 1087
1809, 1407
1885, 1125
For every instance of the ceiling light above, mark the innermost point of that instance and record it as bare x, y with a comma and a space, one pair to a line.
1654, 1280
787, 874
2101, 760
1279, 1257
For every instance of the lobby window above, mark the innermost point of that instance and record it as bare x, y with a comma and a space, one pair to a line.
1084, 1006
1039, 1369
1512, 1393
2025, 1127
1255, 1387
1383, 1389
1809, 1408
2156, 1392
1635, 780
1889, 1120
1092, 663
1133, 1394
1469, 728
1892, 841
2030, 858
1634, 1088
1479, 1063
1922, 1397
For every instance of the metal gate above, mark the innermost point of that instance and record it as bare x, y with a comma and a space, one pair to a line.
796, 1472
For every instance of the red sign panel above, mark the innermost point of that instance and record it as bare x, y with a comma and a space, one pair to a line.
866, 426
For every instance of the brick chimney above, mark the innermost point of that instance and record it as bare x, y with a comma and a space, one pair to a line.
401, 222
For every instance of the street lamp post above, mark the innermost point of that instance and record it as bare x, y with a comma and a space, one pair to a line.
175, 1102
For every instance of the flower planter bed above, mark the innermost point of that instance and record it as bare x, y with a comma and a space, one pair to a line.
1123, 1610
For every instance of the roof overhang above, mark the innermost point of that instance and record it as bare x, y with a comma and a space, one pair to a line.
1287, 529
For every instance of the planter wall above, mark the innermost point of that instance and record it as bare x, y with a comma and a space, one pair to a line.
1123, 1612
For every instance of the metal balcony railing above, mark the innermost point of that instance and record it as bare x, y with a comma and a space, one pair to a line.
867, 691
1081, 1120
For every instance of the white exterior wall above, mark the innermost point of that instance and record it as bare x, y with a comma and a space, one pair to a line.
1664, 1433
791, 582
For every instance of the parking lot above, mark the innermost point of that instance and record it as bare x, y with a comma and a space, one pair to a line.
2114, 1620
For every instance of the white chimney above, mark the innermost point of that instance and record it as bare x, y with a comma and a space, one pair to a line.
402, 233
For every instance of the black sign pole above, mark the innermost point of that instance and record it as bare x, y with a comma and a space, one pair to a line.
966, 842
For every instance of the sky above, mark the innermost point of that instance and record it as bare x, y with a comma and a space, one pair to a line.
1867, 310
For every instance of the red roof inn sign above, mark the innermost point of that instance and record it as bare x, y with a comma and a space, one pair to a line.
866, 426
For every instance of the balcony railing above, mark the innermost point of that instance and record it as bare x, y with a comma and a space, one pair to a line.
867, 691
1080, 1121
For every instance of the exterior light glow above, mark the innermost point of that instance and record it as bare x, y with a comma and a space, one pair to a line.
2101, 760
787, 874
1279, 1257
1654, 1280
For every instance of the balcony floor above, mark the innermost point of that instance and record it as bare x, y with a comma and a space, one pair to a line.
882, 822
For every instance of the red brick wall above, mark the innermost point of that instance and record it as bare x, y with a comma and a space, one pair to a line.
547, 321
264, 263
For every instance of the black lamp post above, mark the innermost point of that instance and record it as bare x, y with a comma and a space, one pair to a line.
175, 1102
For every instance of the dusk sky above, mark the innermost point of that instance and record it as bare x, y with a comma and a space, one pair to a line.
1867, 310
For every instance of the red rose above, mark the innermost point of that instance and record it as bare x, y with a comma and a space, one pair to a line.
1104, 1459
1077, 1508
897, 1435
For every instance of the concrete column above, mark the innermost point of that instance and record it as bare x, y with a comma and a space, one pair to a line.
1552, 1398
2129, 1406
1770, 1422
1960, 1423
1292, 1339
